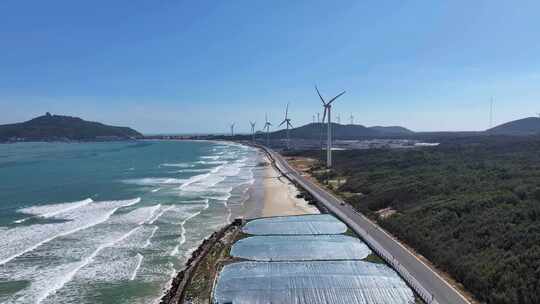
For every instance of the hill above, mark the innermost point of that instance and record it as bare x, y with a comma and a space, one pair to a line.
344, 132
521, 127
57, 127
392, 130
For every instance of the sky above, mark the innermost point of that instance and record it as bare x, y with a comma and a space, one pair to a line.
172, 66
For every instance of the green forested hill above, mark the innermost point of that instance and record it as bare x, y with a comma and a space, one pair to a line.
523, 127
470, 206
339, 131
58, 127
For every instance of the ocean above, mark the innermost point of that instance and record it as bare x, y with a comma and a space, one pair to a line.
112, 222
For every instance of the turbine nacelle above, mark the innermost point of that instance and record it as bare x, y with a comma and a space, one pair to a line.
327, 105
287, 120
267, 124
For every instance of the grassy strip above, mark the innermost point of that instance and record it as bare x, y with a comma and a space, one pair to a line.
199, 290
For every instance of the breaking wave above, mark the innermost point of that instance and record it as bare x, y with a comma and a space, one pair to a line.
17, 241
90, 243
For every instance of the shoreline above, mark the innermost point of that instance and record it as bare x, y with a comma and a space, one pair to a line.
271, 194
280, 195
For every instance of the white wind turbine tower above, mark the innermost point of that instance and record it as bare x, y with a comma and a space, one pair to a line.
318, 118
287, 121
252, 124
267, 126
352, 119
328, 108
232, 128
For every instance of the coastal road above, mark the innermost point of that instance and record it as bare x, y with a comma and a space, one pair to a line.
432, 287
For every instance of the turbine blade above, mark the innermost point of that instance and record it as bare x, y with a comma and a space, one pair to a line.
324, 115
282, 123
290, 124
322, 99
336, 97
287, 110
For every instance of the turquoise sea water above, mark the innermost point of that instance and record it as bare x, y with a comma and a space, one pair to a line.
111, 222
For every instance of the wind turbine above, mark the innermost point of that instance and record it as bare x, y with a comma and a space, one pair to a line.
252, 124
313, 118
328, 108
287, 121
232, 129
352, 119
338, 118
267, 126
318, 118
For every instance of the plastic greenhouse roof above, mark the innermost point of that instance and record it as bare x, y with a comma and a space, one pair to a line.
291, 225
314, 282
300, 248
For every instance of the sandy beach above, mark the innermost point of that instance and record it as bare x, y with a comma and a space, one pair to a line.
272, 195
280, 195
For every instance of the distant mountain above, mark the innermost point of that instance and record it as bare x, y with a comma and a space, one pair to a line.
344, 132
520, 127
392, 130
57, 127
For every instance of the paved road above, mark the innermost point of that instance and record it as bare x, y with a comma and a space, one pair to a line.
435, 289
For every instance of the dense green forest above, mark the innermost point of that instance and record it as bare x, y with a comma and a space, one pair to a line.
471, 206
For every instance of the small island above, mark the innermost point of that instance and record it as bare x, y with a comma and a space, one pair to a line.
64, 128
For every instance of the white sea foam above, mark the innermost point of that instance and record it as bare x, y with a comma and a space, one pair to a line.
194, 170
17, 241
139, 262
193, 179
203, 182
214, 157
149, 181
182, 240
60, 282
162, 211
153, 209
195, 202
21, 220
131, 245
149, 240
138, 216
211, 162
51, 210
179, 165
102, 254
219, 194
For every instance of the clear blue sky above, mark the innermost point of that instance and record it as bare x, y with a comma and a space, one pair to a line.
195, 66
